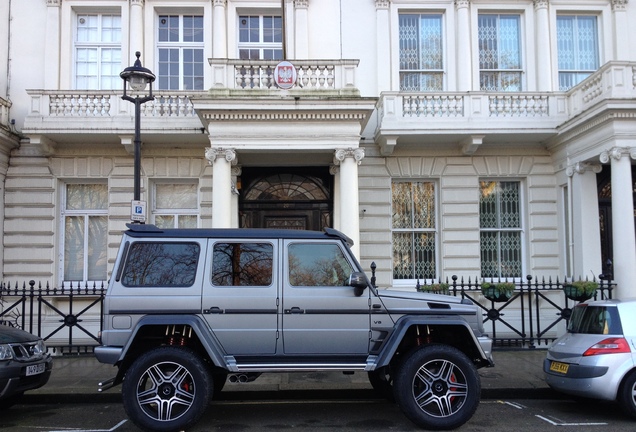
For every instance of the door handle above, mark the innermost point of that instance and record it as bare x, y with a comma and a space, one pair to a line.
213, 310
294, 310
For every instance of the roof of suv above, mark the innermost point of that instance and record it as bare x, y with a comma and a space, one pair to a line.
148, 230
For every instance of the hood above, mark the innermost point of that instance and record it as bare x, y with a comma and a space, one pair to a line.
403, 301
15, 335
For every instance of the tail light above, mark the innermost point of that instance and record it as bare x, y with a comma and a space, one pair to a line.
608, 346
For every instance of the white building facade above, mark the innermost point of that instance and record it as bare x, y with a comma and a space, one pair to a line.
480, 138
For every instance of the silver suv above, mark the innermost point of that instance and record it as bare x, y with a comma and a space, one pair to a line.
185, 308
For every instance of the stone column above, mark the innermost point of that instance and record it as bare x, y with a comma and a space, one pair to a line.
51, 46
621, 27
136, 28
236, 172
586, 234
542, 44
464, 52
349, 159
383, 44
334, 170
301, 38
221, 160
219, 30
624, 250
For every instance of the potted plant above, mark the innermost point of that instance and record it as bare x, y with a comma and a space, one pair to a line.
498, 292
580, 290
438, 288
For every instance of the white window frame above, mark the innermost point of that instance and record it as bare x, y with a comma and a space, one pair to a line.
411, 283
521, 229
100, 46
175, 212
181, 46
441, 71
87, 213
521, 71
260, 45
588, 72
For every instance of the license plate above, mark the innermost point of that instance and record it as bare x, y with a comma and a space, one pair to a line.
559, 367
35, 369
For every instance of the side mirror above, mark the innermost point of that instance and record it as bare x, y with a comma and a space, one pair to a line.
358, 280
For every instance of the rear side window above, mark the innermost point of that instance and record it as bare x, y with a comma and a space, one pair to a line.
155, 264
595, 320
242, 264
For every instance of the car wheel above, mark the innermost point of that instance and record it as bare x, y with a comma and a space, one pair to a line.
382, 382
627, 394
437, 387
167, 389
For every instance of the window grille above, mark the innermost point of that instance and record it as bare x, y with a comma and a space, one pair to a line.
577, 46
499, 53
421, 52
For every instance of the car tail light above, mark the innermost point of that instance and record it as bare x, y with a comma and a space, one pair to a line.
608, 346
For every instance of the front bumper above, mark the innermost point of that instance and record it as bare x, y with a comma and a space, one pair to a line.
14, 381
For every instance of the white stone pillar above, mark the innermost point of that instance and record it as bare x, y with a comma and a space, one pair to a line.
542, 44
219, 30
383, 44
334, 170
236, 172
51, 46
136, 28
349, 159
624, 248
221, 160
586, 231
464, 52
621, 30
301, 37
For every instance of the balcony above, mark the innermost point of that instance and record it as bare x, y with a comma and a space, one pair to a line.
469, 120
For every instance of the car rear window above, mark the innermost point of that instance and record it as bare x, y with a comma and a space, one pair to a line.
588, 319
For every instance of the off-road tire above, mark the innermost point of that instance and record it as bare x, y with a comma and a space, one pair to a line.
167, 389
437, 387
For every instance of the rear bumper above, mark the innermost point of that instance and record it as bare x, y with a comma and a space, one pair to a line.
581, 380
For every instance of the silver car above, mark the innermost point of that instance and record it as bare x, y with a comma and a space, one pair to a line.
596, 358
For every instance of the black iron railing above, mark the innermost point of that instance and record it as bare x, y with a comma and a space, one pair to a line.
55, 314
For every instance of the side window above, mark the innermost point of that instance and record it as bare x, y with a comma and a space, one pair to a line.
577, 45
421, 52
499, 52
317, 264
500, 229
175, 205
154, 264
85, 216
242, 264
97, 52
414, 230
180, 45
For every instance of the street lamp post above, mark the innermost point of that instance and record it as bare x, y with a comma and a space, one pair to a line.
137, 78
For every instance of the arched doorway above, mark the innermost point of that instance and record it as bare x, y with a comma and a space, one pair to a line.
290, 198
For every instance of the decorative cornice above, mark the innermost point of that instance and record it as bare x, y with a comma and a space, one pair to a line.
617, 153
541, 4
595, 122
341, 154
212, 153
582, 167
301, 4
287, 116
619, 5
382, 4
137, 2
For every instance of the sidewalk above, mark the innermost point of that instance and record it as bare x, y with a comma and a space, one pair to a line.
516, 374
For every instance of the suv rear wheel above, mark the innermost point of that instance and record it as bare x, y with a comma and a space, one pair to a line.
167, 389
437, 387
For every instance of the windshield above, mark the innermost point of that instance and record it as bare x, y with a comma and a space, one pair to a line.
595, 320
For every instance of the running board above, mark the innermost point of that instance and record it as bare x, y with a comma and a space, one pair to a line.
234, 366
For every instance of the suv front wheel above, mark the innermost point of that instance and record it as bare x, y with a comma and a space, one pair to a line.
167, 389
437, 387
